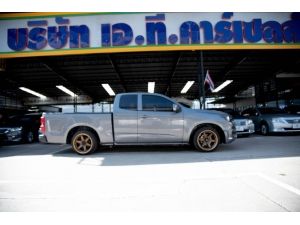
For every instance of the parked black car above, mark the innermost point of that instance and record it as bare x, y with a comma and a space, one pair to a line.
21, 128
243, 125
2, 137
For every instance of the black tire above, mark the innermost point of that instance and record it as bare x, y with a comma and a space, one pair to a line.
264, 129
206, 139
84, 142
28, 137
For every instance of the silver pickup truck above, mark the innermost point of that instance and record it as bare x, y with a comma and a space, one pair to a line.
139, 119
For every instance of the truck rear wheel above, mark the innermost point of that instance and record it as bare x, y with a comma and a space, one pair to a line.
206, 139
84, 142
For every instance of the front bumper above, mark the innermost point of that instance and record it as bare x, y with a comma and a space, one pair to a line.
284, 128
247, 129
243, 127
11, 138
230, 134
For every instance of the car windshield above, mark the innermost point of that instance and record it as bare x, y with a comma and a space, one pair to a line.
271, 111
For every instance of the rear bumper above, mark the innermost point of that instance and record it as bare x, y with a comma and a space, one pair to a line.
43, 138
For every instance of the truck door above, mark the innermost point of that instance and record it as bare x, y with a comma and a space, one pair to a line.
157, 122
125, 119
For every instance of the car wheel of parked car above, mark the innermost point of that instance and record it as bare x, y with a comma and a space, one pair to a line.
264, 129
29, 138
206, 139
84, 142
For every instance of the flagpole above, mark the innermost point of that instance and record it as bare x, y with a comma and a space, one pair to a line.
201, 80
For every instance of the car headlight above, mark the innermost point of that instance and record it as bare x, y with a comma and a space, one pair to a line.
278, 120
228, 118
249, 122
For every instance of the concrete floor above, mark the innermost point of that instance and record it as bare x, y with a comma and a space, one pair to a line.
252, 174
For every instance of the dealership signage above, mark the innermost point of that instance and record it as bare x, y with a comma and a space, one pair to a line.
125, 31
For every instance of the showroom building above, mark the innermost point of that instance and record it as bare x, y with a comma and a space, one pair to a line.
52, 59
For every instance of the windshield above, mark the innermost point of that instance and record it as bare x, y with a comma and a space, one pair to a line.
271, 111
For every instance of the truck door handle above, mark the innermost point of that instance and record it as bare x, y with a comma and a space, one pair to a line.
144, 117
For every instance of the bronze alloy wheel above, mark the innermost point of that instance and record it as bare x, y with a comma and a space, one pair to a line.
84, 142
206, 139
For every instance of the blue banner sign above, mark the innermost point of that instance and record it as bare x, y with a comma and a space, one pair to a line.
143, 30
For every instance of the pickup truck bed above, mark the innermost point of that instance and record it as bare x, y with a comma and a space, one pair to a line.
60, 125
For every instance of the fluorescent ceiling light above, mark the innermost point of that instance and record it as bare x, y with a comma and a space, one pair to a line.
151, 86
287, 75
108, 89
222, 86
33, 92
187, 86
66, 90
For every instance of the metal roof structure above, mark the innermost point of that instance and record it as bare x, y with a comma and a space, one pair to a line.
130, 72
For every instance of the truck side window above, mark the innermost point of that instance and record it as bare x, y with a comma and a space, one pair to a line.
156, 103
128, 102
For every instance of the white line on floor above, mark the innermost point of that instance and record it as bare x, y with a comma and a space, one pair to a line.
279, 183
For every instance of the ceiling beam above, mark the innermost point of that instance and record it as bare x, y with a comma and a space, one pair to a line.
234, 63
66, 79
117, 72
173, 71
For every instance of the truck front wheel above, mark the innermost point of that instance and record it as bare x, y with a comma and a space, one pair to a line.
84, 142
206, 139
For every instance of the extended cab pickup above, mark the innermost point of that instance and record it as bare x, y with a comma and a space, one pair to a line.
139, 119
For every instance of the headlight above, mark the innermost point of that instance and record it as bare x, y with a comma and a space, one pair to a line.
278, 120
249, 122
228, 118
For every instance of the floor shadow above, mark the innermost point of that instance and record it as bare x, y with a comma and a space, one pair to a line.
254, 147
19, 149
145, 155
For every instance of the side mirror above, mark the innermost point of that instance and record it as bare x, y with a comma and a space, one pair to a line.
176, 108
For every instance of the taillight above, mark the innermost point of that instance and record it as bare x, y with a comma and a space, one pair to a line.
43, 124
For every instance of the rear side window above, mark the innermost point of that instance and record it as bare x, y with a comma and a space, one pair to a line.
156, 103
128, 102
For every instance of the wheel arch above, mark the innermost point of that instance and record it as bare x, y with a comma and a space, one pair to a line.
217, 127
73, 130
263, 122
